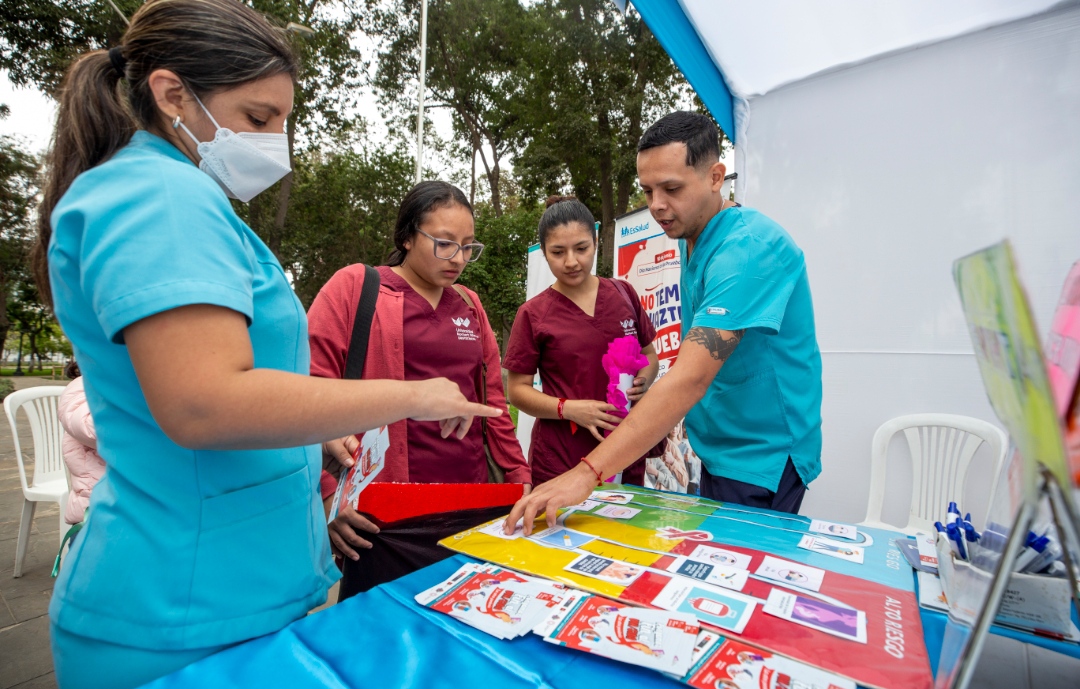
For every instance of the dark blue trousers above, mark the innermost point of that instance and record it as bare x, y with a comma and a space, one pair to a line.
787, 498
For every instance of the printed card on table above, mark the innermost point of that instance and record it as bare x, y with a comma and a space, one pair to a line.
833, 529
586, 505
927, 544
719, 556
803, 576
724, 609
844, 551
496, 601
616, 512
612, 497
845, 623
562, 538
370, 459
655, 639
495, 529
720, 575
604, 569
735, 665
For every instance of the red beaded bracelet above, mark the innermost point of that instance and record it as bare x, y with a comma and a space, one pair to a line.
599, 476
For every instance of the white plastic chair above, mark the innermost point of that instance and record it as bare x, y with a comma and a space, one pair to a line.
50, 482
941, 447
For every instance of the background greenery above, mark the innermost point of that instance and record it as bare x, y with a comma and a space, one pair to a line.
544, 96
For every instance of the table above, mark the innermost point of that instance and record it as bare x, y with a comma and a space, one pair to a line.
382, 638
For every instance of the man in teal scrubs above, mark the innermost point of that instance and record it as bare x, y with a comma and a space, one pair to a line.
748, 377
746, 298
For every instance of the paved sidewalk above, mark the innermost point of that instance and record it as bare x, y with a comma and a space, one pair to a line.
25, 660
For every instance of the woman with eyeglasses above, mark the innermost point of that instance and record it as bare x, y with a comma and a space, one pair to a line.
424, 325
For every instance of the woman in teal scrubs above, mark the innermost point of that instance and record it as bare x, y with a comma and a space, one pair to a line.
206, 529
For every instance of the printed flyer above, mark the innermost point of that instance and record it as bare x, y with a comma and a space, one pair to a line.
370, 458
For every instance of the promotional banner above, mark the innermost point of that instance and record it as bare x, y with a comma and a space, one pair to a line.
648, 260
740, 571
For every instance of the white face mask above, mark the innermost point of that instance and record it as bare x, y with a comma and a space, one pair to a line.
244, 164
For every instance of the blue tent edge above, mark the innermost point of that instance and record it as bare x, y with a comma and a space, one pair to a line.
669, 23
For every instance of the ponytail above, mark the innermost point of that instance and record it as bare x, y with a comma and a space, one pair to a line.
212, 45
92, 123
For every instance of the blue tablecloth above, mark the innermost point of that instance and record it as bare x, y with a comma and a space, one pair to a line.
383, 638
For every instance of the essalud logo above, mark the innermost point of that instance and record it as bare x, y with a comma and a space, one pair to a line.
627, 323
461, 322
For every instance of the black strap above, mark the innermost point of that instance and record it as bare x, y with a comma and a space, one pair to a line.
361, 330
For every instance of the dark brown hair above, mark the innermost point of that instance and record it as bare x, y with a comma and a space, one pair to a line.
212, 45
697, 131
563, 210
421, 200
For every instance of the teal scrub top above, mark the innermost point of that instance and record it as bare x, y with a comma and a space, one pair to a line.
182, 548
764, 405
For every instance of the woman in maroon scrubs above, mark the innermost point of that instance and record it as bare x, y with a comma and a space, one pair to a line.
564, 332
425, 326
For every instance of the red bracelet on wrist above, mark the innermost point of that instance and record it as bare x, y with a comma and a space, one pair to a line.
558, 410
599, 476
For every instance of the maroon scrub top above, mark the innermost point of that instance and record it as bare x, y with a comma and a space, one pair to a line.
441, 343
553, 335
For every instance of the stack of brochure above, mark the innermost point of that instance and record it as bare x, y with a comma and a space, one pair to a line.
496, 601
655, 639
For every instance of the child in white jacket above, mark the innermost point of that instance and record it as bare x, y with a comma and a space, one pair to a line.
80, 446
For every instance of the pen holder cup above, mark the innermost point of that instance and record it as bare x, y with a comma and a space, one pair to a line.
1032, 602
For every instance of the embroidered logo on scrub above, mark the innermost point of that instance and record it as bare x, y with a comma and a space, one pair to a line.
464, 332
716, 311
628, 327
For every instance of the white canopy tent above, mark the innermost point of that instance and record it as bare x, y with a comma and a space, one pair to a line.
890, 138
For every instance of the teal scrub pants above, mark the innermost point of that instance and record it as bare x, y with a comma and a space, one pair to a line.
84, 663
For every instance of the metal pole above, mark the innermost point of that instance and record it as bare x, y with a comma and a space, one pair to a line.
423, 71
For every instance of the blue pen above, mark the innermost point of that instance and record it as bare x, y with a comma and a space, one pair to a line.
939, 527
972, 538
953, 532
953, 515
1029, 553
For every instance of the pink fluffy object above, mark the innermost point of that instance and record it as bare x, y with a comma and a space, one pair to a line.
621, 363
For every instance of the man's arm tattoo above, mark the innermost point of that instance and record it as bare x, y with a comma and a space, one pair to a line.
712, 339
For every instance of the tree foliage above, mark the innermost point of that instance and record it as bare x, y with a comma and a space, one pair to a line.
500, 274
545, 96
18, 196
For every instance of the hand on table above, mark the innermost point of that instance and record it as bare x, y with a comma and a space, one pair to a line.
566, 490
344, 532
592, 415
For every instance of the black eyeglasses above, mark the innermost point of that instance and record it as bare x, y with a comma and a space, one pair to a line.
446, 249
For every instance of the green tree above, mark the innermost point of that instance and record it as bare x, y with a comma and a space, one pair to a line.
40, 38
343, 212
18, 196
29, 317
598, 79
474, 68
499, 276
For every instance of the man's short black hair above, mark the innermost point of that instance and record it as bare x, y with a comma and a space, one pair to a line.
697, 131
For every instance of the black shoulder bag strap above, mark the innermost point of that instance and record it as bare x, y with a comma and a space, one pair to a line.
361, 330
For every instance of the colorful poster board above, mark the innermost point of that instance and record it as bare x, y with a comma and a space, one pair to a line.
1009, 352
1063, 366
677, 552
650, 261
